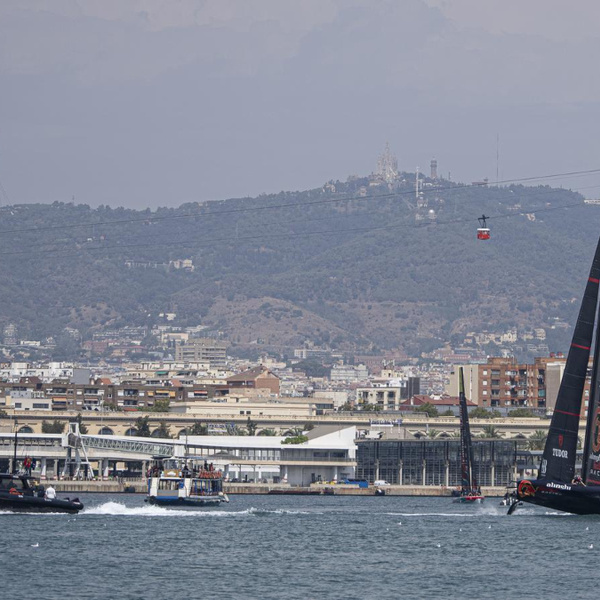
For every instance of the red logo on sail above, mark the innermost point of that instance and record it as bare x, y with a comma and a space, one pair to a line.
561, 439
596, 431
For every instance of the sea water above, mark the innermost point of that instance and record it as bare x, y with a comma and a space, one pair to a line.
295, 547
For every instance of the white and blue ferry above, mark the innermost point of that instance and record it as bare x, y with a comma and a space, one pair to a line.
184, 482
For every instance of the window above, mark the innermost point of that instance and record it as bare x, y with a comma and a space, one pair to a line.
485, 382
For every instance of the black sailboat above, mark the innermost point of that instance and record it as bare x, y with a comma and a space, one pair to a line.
469, 489
556, 486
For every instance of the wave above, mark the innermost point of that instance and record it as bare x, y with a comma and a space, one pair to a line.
441, 514
119, 509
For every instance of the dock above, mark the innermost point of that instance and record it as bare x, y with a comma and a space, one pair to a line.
139, 486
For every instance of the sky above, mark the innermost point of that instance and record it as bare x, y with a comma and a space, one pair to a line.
149, 103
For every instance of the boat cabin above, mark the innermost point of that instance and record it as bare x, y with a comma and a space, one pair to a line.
19, 484
185, 478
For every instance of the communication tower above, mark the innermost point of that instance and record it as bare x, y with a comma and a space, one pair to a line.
433, 166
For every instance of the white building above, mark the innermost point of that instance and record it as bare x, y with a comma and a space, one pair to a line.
328, 455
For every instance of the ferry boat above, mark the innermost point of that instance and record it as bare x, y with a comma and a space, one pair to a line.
20, 493
181, 482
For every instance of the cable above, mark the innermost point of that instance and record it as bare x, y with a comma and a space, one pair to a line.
288, 204
195, 244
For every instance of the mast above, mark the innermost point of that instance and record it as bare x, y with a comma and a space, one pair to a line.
466, 446
558, 460
14, 469
590, 466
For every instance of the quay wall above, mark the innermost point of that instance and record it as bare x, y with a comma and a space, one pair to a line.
139, 487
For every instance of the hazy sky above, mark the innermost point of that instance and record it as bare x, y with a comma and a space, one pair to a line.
154, 102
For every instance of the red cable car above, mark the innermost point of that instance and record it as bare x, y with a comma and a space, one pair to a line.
483, 232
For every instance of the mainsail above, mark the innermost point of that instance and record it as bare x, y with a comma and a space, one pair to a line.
469, 483
558, 460
590, 469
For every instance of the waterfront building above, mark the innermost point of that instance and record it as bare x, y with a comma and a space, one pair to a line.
434, 462
328, 454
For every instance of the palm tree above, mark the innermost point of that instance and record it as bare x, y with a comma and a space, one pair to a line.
433, 433
489, 431
537, 440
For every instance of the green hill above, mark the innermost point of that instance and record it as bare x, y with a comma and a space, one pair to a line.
331, 267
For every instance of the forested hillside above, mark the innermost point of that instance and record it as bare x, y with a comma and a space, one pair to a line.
328, 266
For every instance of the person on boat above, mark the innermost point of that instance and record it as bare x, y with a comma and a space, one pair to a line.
185, 471
50, 493
577, 480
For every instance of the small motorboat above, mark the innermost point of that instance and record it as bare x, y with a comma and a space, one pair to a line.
20, 493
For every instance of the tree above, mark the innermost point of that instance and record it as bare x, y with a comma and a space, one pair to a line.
268, 432
160, 405
489, 431
198, 428
537, 440
162, 431
298, 439
54, 427
82, 426
447, 413
292, 432
251, 426
432, 433
312, 368
483, 413
142, 427
428, 408
522, 412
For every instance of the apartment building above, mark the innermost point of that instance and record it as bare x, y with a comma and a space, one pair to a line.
389, 394
202, 350
502, 382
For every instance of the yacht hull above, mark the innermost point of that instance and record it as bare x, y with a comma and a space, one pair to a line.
32, 504
469, 499
188, 502
576, 499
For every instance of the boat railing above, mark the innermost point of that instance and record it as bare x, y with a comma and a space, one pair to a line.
189, 474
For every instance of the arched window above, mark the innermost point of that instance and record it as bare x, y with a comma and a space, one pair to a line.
106, 431
131, 431
25, 429
183, 433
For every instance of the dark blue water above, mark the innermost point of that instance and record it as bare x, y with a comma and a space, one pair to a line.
298, 547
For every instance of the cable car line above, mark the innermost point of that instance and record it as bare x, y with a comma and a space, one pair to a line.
209, 213
62, 252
